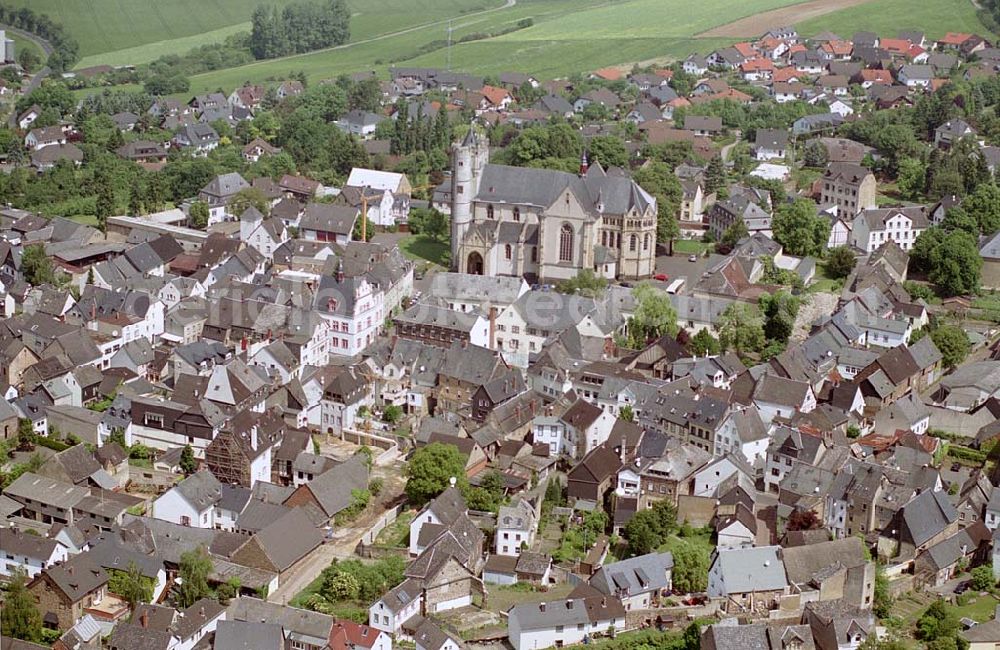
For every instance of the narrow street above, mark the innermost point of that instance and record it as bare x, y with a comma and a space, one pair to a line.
345, 539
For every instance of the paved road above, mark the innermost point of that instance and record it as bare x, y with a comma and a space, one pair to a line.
38, 77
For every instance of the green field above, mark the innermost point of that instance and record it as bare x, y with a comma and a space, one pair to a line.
22, 44
106, 27
887, 17
576, 36
567, 36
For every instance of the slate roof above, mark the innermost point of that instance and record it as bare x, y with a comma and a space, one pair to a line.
927, 515
201, 489
617, 194
746, 570
645, 573
332, 489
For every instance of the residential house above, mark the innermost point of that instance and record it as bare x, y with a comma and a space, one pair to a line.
638, 582
873, 227
563, 622
749, 579
849, 186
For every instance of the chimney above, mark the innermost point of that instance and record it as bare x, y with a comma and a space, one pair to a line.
253, 437
569, 604
93, 311
541, 607
144, 619
493, 327
340, 271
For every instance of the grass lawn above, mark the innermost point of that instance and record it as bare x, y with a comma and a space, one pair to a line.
822, 283
21, 44
503, 597
688, 246
978, 608
397, 533
85, 219
420, 247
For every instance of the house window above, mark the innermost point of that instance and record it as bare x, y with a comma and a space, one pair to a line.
489, 211
507, 251
517, 213
566, 243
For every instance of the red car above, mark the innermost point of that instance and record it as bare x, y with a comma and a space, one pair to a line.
662, 277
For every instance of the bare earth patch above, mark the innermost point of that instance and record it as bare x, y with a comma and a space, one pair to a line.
753, 26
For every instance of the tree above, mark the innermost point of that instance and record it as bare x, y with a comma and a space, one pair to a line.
392, 413
803, 520
626, 413
654, 316
195, 566
983, 205
429, 222
840, 262
953, 343
585, 282
28, 59
19, 616
780, 310
715, 175
250, 197
800, 229
938, 622
488, 496
188, 464
704, 344
911, 178
105, 205
882, 597
982, 578
228, 590
199, 214
658, 179
37, 266
608, 150
117, 435
814, 154
956, 264
648, 529
733, 235
342, 587
430, 471
691, 563
741, 329
131, 585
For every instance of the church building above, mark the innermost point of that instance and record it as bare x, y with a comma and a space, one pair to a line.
547, 225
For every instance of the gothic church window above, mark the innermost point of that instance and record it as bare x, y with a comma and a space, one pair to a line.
566, 243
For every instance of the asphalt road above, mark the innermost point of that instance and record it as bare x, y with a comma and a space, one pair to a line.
38, 77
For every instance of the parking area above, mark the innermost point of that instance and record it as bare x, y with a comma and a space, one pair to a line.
678, 266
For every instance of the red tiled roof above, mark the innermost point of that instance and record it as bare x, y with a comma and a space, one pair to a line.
609, 74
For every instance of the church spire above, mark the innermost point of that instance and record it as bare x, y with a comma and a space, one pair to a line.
584, 164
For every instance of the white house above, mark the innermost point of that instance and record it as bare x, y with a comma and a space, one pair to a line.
992, 520
516, 528
355, 310
780, 397
192, 502
705, 482
874, 227
438, 515
27, 553
564, 622
397, 606
739, 530
637, 581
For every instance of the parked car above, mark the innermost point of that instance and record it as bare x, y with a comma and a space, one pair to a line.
692, 258
662, 277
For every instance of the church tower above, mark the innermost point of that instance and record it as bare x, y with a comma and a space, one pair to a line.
467, 162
